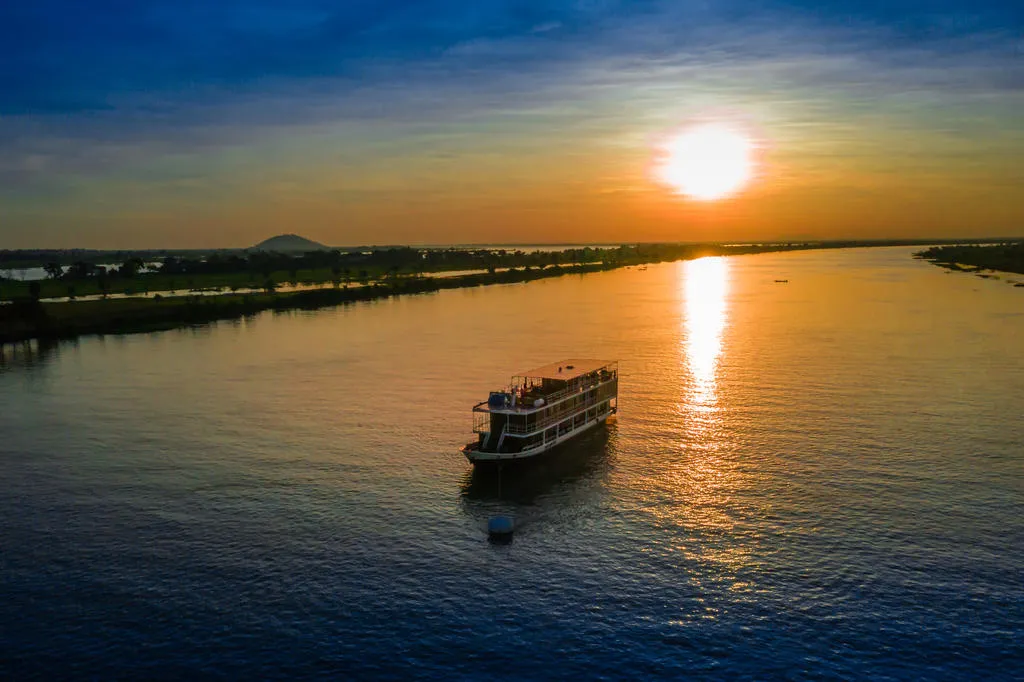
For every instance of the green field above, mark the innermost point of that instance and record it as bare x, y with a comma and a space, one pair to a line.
27, 319
158, 282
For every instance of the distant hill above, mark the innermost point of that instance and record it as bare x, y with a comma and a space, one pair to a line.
287, 243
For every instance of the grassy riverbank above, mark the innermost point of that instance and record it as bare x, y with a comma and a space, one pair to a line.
1005, 257
247, 272
76, 274
29, 318
156, 282
159, 282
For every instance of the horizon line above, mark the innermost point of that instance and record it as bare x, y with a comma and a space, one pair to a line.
603, 244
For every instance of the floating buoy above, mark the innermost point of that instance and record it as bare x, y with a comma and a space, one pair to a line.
500, 528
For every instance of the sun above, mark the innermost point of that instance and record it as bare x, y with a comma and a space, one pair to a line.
707, 162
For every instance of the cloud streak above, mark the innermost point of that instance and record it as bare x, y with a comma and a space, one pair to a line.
187, 103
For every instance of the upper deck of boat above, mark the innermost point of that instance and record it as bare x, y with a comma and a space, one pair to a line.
566, 370
551, 382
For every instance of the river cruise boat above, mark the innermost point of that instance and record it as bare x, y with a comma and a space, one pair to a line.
543, 408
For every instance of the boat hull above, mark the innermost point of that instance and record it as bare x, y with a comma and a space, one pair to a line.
479, 457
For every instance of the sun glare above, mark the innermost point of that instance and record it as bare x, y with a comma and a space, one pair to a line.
706, 292
707, 162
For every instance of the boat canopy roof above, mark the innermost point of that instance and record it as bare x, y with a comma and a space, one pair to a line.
566, 370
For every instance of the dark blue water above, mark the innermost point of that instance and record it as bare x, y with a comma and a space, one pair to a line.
823, 479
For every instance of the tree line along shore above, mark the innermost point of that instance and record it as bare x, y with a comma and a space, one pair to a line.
248, 282
977, 258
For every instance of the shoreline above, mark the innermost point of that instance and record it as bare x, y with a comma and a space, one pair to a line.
28, 319
1006, 258
138, 274
68, 320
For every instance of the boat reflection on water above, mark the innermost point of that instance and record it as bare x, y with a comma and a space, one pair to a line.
587, 457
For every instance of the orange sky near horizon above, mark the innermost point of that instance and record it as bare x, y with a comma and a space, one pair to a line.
863, 129
584, 198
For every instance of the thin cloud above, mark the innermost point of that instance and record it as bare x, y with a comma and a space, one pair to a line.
186, 93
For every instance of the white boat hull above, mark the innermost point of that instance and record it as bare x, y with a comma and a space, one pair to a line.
476, 456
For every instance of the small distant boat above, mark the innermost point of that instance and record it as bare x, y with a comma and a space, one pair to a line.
782, 281
543, 408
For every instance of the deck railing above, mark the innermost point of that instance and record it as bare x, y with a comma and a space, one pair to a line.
564, 415
572, 389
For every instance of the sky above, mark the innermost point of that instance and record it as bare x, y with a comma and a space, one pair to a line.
197, 124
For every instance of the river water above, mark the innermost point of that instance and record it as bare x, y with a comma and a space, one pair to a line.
816, 478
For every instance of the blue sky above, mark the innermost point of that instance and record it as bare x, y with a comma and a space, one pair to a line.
216, 124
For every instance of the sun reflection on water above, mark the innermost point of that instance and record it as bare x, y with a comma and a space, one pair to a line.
706, 288
703, 480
